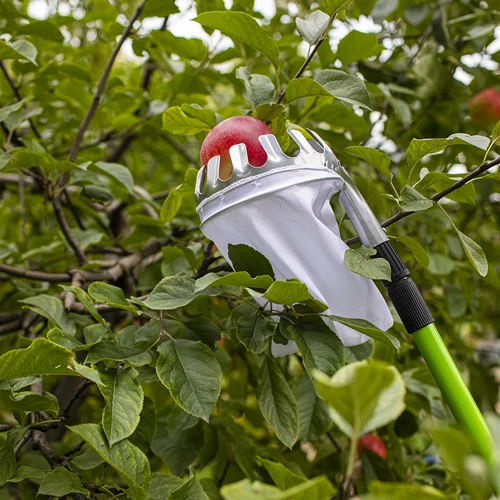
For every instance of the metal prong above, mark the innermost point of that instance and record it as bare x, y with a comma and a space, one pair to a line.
301, 141
213, 171
200, 182
239, 159
272, 147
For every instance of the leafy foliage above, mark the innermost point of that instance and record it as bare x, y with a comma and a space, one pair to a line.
134, 362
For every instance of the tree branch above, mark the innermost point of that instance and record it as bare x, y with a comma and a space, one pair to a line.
18, 96
82, 387
442, 194
102, 83
63, 224
310, 56
35, 275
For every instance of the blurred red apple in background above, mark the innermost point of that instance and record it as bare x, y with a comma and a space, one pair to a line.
484, 107
235, 130
374, 444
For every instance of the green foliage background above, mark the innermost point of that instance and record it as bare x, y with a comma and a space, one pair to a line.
128, 368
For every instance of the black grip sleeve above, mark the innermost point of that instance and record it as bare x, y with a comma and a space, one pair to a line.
398, 269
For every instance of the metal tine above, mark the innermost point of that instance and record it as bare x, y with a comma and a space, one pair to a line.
320, 141
213, 171
200, 181
302, 142
272, 147
239, 159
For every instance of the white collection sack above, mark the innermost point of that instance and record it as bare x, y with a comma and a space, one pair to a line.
285, 214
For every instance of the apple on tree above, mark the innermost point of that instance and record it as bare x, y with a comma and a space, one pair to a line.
484, 107
235, 130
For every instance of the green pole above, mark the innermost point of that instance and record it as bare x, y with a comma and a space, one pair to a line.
454, 389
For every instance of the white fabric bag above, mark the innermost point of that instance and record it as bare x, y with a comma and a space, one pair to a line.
285, 214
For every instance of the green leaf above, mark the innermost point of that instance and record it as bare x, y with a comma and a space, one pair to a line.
370, 330
43, 29
313, 26
162, 484
419, 148
52, 308
19, 50
240, 278
7, 458
321, 349
268, 112
259, 89
247, 490
283, 478
7, 110
147, 427
88, 460
26, 472
375, 158
363, 396
291, 292
374, 269
243, 27
246, 258
109, 294
199, 328
192, 374
440, 181
345, 87
171, 205
108, 350
87, 302
252, 330
61, 482
411, 200
29, 401
356, 46
474, 253
403, 491
128, 460
118, 173
42, 357
179, 440
173, 292
188, 120
314, 417
277, 403
124, 398
190, 490
335, 6
304, 87
416, 249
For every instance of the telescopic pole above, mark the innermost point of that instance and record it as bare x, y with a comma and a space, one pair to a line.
418, 321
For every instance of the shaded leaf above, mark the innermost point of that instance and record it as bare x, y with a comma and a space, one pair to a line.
252, 330
243, 27
377, 159
105, 293
356, 46
192, 374
283, 477
374, 269
313, 26
61, 482
259, 89
246, 258
411, 200
128, 460
277, 402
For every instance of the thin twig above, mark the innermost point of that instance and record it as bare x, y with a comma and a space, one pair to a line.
19, 97
442, 194
65, 414
63, 224
23, 211
102, 83
35, 275
311, 55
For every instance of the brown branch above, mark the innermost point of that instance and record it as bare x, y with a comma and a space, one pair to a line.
63, 224
35, 275
82, 387
180, 149
311, 55
22, 204
11, 327
442, 194
102, 83
18, 96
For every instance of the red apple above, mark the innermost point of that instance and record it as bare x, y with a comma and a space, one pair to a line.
374, 444
484, 108
235, 130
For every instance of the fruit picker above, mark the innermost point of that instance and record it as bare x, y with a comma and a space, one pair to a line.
250, 192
